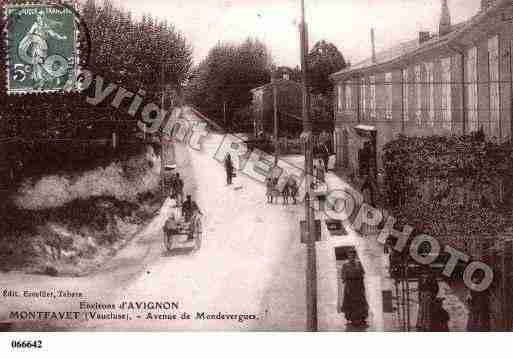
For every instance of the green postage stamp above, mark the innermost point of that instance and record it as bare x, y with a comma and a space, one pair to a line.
42, 51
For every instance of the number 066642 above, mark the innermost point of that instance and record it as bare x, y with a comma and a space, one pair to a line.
27, 344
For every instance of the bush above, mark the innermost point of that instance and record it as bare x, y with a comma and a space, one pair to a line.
448, 187
410, 162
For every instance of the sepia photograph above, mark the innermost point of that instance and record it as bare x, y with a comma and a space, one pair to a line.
255, 166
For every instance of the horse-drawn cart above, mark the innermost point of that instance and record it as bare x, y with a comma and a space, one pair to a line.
179, 234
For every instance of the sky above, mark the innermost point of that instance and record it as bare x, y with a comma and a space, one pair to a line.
346, 23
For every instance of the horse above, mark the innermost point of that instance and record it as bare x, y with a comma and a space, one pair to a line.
272, 190
294, 189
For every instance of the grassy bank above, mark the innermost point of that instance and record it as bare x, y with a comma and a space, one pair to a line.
73, 239
70, 224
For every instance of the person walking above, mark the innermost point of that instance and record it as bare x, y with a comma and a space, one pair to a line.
428, 291
285, 193
294, 189
367, 190
354, 305
228, 165
478, 304
172, 186
439, 316
178, 189
269, 189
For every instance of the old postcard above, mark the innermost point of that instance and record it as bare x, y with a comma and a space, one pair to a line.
256, 165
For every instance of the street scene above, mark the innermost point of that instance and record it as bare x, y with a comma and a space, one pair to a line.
286, 166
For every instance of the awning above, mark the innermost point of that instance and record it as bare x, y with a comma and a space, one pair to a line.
366, 128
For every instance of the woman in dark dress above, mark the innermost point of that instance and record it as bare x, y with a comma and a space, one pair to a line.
439, 316
428, 291
479, 311
228, 165
354, 306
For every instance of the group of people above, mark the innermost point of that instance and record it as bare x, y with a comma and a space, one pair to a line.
289, 191
431, 317
189, 207
173, 224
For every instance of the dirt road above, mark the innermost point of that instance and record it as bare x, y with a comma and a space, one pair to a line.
251, 263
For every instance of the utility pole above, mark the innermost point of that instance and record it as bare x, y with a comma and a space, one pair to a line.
311, 256
162, 142
224, 116
275, 108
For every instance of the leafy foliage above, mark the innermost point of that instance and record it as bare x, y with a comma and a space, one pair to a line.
443, 157
135, 54
324, 59
460, 172
221, 83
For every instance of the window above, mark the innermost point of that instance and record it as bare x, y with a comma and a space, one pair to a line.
418, 95
373, 96
430, 87
388, 95
406, 93
495, 99
446, 94
349, 97
363, 99
339, 98
472, 89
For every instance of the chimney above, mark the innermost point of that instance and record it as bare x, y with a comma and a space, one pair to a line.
445, 19
373, 45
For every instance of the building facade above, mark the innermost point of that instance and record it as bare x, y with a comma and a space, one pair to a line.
454, 82
289, 103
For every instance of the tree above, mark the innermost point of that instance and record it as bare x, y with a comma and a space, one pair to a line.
323, 60
220, 85
128, 52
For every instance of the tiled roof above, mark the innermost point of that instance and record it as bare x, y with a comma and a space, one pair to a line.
412, 47
278, 81
401, 49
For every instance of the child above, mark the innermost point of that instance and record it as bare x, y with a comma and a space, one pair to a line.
269, 189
